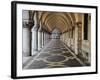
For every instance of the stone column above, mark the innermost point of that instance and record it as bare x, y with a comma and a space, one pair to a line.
26, 34
35, 34
48, 39
45, 38
76, 40
89, 37
49, 35
26, 40
42, 39
34, 40
64, 39
39, 38
60, 37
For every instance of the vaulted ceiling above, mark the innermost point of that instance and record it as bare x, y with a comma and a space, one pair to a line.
61, 20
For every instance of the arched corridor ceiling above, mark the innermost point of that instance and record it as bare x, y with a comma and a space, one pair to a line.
63, 21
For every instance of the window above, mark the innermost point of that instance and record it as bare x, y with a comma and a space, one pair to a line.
85, 26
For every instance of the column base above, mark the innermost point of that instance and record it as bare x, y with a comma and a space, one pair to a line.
25, 54
34, 53
39, 49
42, 46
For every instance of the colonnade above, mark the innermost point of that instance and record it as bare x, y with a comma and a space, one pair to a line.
39, 39
34, 40
26, 40
72, 38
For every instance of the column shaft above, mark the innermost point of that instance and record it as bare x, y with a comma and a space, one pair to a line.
34, 42
26, 42
76, 40
42, 39
39, 40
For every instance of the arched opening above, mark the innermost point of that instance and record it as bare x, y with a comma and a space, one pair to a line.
56, 33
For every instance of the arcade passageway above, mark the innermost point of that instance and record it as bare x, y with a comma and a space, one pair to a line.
54, 54
56, 39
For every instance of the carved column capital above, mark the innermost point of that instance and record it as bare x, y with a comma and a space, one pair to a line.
35, 27
25, 24
40, 29
79, 24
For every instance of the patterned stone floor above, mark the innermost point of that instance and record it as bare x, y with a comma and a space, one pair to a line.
54, 55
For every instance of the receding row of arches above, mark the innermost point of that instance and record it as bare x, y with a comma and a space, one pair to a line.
73, 29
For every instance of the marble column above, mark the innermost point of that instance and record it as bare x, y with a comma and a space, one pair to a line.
69, 40
76, 40
61, 38
48, 39
89, 37
34, 40
42, 39
35, 34
39, 39
64, 39
26, 41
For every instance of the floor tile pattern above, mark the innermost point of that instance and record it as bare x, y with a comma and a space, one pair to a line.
54, 55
